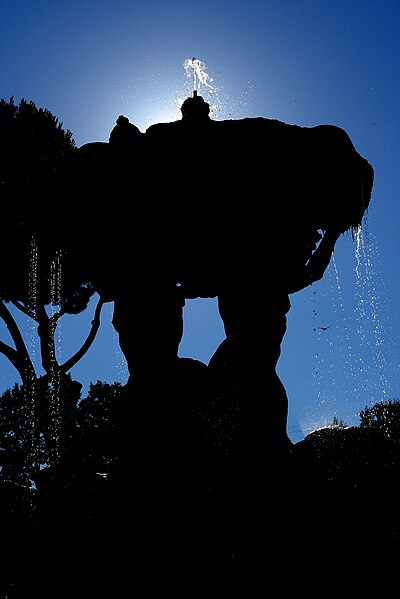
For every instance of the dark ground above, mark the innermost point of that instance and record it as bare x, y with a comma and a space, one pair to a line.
328, 506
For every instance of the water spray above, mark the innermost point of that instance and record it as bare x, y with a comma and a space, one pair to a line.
202, 83
196, 68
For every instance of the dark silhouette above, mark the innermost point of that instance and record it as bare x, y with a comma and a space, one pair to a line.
248, 211
195, 109
198, 229
194, 464
208, 244
124, 135
37, 278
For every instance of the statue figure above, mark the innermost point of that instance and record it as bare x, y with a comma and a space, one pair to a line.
247, 211
124, 135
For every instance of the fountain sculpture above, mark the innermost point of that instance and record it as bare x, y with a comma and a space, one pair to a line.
247, 211
244, 210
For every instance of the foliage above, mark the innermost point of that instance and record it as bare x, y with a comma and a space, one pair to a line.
36, 426
95, 420
16, 450
337, 423
51, 469
32, 143
37, 270
96, 411
34, 153
384, 416
55, 426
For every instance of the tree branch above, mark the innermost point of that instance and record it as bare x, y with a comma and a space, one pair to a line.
24, 310
11, 354
70, 363
46, 335
20, 359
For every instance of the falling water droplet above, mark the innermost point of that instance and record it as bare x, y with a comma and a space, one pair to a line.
372, 318
33, 296
30, 399
353, 355
55, 342
120, 360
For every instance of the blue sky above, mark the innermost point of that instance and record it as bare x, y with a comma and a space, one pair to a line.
302, 62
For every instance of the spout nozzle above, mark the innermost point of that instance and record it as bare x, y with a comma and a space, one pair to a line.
194, 93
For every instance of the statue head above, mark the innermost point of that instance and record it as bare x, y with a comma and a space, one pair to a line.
124, 133
195, 108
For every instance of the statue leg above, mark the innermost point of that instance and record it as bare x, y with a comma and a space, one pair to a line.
150, 328
246, 360
151, 421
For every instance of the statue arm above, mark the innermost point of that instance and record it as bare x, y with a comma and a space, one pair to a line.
318, 263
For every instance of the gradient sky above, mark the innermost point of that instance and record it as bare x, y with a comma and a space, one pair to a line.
302, 62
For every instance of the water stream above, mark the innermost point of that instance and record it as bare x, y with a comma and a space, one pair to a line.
202, 83
31, 416
55, 349
353, 353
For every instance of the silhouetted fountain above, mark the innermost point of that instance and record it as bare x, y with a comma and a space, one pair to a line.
206, 245
225, 424
202, 458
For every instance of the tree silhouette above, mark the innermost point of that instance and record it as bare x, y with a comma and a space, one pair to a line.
337, 423
85, 440
36, 430
38, 277
96, 419
68, 490
385, 416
